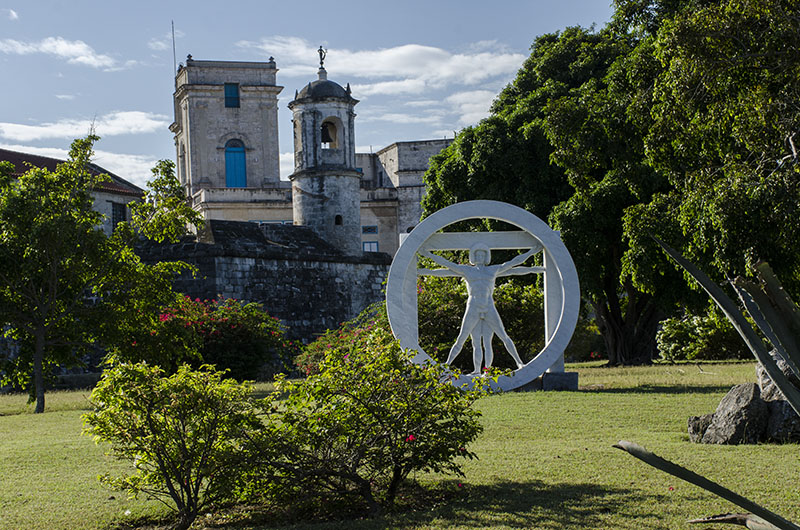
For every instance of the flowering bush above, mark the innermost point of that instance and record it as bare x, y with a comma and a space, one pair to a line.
348, 338
183, 433
224, 332
368, 418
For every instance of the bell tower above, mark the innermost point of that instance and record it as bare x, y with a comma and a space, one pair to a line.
226, 124
325, 182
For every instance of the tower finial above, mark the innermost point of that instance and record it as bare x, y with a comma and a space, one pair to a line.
322, 53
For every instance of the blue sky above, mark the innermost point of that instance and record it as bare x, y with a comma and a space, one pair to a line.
421, 69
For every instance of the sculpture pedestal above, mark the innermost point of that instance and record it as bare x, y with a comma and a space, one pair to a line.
552, 381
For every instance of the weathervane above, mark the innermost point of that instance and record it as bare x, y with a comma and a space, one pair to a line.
322, 54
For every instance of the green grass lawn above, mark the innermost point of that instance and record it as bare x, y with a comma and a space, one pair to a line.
545, 461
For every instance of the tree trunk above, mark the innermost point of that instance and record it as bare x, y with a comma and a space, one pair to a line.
38, 368
365, 489
397, 479
630, 338
185, 520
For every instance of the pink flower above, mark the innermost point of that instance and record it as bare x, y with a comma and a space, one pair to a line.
410, 438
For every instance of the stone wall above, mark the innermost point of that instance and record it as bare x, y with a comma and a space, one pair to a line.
306, 283
329, 205
405, 162
246, 204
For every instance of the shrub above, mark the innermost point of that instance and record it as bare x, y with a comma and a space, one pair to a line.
227, 333
368, 418
183, 433
346, 338
695, 338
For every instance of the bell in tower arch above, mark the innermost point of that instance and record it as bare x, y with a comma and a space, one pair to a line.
328, 135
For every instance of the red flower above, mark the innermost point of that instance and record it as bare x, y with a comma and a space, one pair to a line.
410, 438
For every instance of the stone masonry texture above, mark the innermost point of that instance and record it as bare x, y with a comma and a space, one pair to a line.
299, 278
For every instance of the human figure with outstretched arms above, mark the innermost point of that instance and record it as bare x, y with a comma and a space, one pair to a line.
481, 319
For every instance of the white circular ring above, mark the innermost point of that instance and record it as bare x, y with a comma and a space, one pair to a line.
401, 283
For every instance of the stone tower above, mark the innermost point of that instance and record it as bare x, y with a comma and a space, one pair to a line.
226, 125
325, 182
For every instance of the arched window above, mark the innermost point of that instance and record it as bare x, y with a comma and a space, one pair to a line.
329, 135
235, 167
337, 220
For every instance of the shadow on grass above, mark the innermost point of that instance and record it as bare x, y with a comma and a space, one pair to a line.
660, 389
531, 504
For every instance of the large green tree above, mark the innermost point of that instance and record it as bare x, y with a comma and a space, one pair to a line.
64, 284
560, 143
726, 111
678, 120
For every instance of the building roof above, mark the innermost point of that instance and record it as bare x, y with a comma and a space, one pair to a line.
22, 161
254, 240
323, 88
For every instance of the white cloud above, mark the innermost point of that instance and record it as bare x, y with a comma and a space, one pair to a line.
296, 56
134, 168
164, 42
112, 124
488, 46
423, 103
51, 152
410, 68
158, 44
390, 88
12, 15
444, 133
75, 52
66, 97
396, 117
471, 106
124, 66
456, 110
286, 165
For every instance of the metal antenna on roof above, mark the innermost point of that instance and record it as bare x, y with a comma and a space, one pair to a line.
174, 56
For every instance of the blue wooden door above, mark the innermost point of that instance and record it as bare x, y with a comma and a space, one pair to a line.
235, 169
